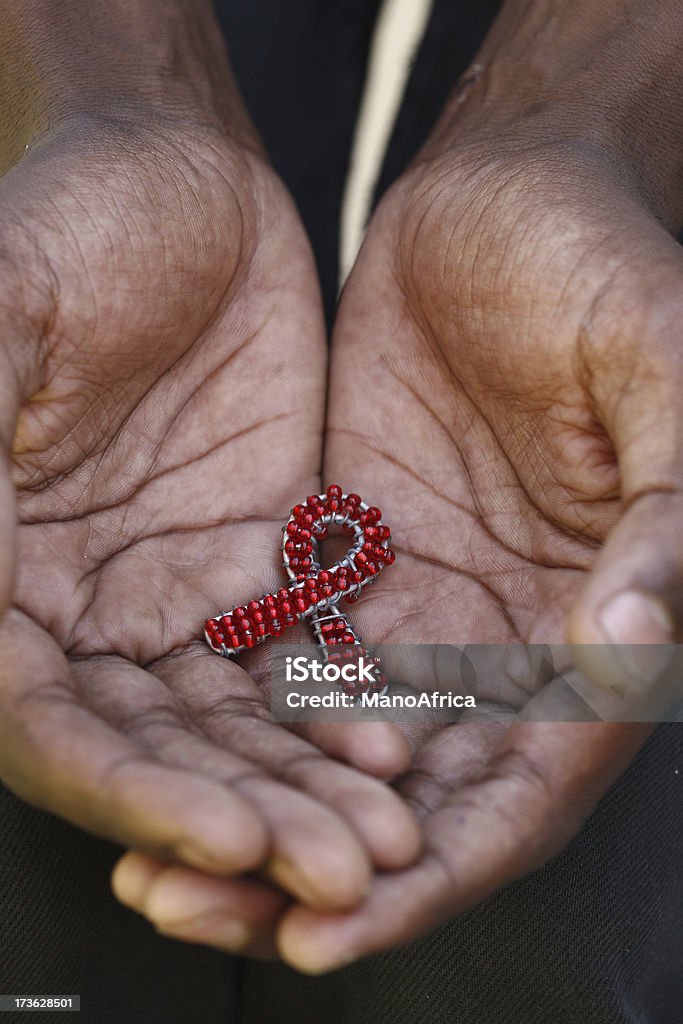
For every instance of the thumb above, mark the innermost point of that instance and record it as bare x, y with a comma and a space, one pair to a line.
634, 595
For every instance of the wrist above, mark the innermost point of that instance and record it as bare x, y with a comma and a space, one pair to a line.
60, 61
609, 75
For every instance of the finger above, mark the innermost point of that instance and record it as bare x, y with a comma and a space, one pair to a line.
313, 852
227, 706
630, 614
635, 592
537, 789
232, 915
60, 756
376, 748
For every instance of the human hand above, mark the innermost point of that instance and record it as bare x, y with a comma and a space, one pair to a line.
162, 389
507, 372
460, 362
498, 504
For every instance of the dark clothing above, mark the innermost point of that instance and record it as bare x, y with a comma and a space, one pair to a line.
596, 937
301, 67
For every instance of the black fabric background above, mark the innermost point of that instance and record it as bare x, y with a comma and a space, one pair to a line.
596, 937
301, 67
62, 932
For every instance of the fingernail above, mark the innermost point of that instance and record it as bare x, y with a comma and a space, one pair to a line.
132, 878
313, 959
641, 628
173, 898
292, 880
196, 857
175, 909
227, 932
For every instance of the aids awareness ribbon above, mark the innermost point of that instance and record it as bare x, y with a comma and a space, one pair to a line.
314, 593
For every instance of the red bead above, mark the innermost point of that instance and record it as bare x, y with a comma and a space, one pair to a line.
371, 515
316, 589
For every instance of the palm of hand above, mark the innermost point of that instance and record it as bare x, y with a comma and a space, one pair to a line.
491, 317
182, 369
154, 401
483, 350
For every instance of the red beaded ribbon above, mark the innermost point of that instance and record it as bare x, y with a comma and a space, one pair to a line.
312, 592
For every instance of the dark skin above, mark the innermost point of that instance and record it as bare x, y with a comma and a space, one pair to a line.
153, 266
521, 289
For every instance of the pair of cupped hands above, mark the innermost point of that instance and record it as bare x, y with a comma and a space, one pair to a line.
505, 382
